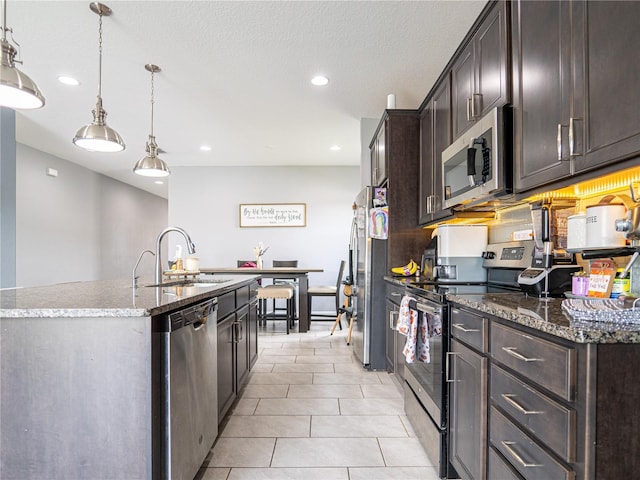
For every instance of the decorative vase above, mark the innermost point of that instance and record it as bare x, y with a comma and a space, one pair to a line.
259, 262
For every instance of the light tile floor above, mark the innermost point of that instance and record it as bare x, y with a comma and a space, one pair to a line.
310, 411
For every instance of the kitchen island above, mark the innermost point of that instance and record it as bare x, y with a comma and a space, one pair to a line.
78, 376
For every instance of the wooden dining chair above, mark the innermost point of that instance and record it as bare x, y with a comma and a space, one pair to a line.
287, 281
326, 291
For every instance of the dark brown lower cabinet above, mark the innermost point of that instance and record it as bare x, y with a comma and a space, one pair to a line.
468, 428
553, 408
394, 341
226, 369
237, 343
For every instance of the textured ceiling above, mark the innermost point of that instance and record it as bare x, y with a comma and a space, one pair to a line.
235, 75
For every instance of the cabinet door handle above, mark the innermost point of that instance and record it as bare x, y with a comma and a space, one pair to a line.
461, 327
396, 294
561, 158
509, 398
512, 351
508, 446
238, 332
447, 368
559, 141
474, 114
572, 138
391, 322
468, 109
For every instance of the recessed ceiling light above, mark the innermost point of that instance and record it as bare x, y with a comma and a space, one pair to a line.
335, 148
205, 148
319, 80
67, 80
159, 182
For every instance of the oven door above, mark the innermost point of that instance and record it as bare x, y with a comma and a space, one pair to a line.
473, 166
426, 379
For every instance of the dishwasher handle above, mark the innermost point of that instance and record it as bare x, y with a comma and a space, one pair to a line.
205, 314
196, 315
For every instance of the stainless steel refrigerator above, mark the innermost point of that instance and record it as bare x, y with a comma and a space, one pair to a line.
370, 267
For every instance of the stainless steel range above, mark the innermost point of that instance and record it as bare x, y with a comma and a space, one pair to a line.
426, 392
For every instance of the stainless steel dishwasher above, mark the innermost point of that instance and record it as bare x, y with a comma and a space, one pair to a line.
184, 390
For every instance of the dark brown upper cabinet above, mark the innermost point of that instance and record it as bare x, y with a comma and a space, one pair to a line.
379, 157
435, 136
541, 90
398, 131
604, 122
575, 93
480, 73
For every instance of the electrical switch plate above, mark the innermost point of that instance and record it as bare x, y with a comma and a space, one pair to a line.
52, 172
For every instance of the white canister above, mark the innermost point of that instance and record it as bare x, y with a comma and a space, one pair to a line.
192, 264
601, 226
577, 231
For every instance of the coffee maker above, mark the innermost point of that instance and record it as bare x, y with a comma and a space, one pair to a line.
551, 264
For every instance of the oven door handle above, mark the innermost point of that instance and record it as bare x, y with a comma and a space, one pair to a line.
421, 307
461, 327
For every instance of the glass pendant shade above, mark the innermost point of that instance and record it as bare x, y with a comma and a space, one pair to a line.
17, 90
151, 165
98, 136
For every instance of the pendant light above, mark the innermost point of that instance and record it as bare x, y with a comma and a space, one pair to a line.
151, 165
98, 136
17, 90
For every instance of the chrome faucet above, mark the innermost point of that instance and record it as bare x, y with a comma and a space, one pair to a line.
134, 277
191, 248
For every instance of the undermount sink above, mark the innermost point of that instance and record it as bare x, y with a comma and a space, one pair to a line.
190, 282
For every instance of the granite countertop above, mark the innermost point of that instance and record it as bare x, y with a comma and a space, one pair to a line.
110, 298
548, 316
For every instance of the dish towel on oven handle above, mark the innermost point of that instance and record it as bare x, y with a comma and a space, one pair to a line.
417, 327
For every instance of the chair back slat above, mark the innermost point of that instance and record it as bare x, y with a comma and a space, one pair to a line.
285, 263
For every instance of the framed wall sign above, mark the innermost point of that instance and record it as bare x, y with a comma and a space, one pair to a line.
273, 215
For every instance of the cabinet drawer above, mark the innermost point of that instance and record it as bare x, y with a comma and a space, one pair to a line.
226, 304
470, 328
499, 469
524, 454
395, 294
548, 364
552, 423
242, 296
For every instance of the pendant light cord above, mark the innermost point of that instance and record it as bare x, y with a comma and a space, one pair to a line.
152, 92
4, 20
100, 57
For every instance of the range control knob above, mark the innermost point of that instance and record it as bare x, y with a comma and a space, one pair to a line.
488, 255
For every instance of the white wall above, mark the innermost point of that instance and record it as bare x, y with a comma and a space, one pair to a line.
205, 202
80, 225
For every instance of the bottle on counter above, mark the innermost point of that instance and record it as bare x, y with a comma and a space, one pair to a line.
621, 285
179, 263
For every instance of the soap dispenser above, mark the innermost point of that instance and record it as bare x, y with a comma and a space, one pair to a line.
179, 264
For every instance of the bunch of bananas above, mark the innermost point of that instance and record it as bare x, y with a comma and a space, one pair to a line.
406, 270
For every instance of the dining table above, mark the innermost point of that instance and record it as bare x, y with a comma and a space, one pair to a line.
301, 274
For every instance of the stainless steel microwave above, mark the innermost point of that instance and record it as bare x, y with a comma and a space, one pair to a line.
477, 167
